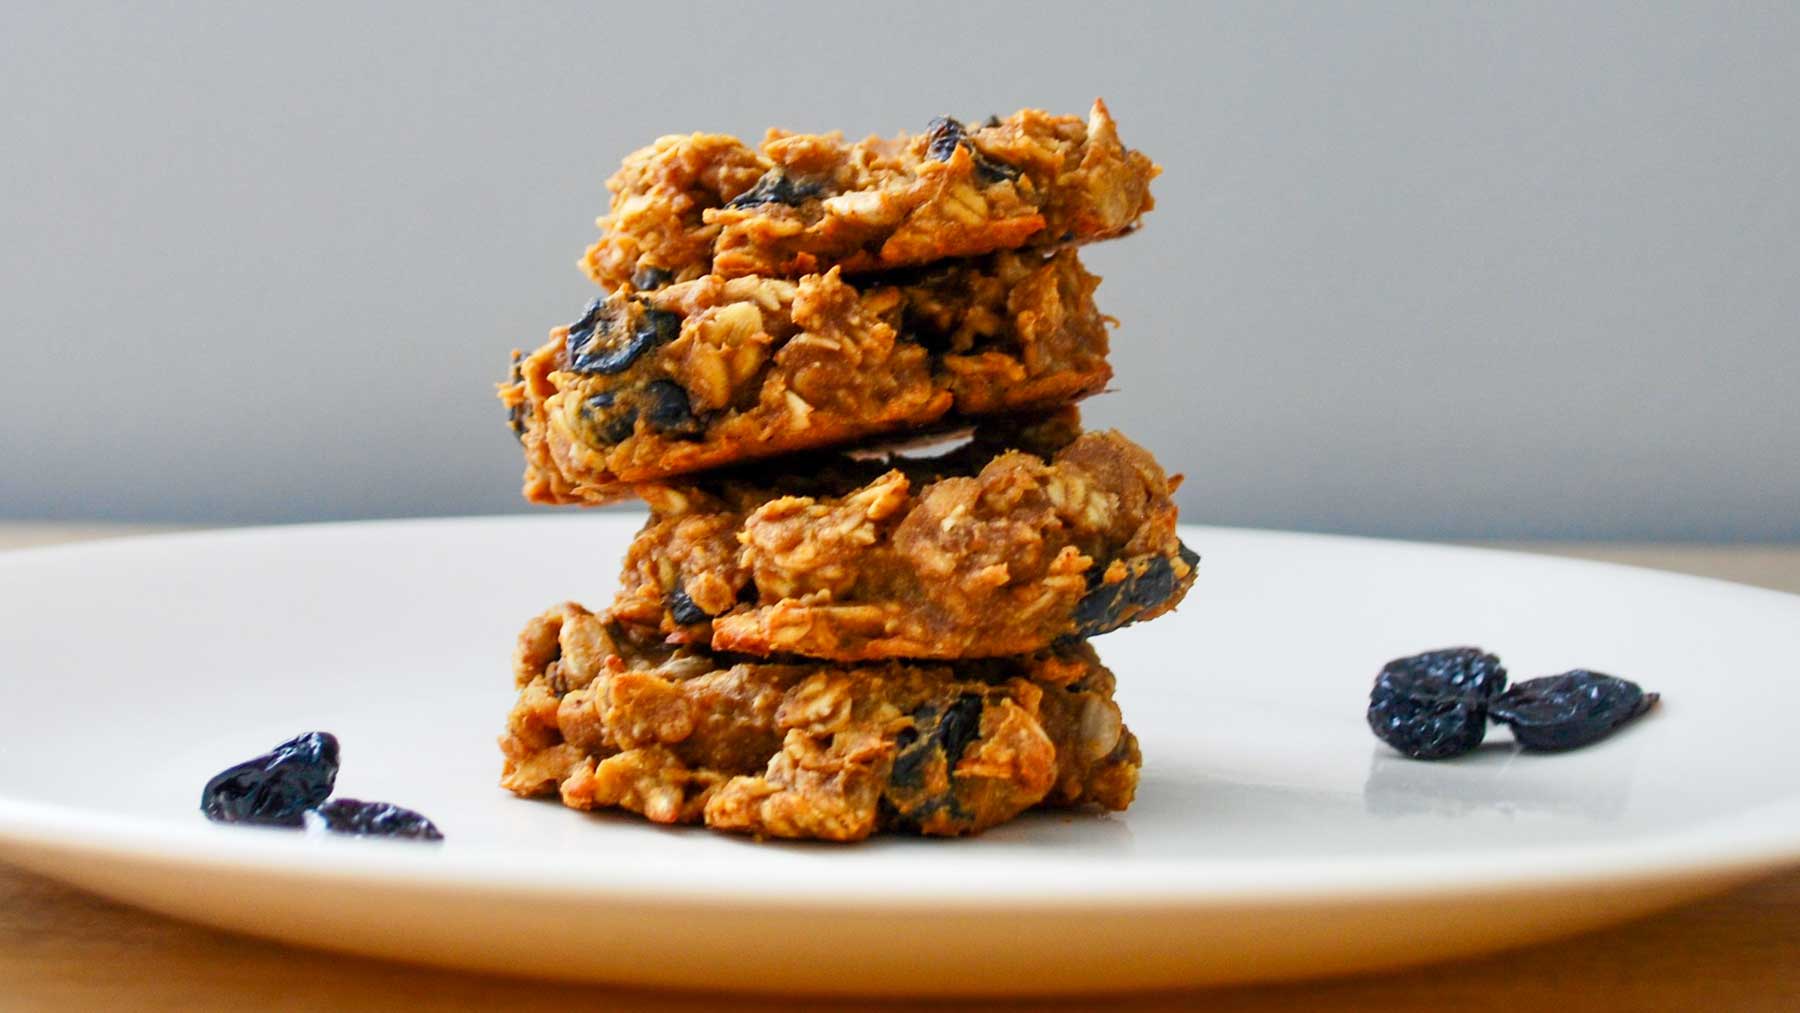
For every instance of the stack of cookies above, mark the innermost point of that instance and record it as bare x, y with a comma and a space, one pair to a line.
815, 635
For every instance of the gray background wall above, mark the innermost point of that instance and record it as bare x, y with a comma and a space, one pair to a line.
1426, 269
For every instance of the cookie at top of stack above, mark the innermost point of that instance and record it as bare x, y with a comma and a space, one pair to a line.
814, 639
689, 206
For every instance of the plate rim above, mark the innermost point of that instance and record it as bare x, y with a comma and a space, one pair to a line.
1720, 848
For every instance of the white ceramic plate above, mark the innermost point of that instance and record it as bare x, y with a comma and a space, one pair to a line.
1272, 835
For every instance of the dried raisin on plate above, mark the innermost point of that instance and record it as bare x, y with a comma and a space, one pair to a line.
376, 819
1570, 710
1434, 705
276, 788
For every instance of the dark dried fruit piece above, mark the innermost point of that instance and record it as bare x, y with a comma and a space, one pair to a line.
276, 788
515, 415
667, 408
961, 725
1569, 710
1434, 705
612, 415
1466, 671
942, 135
992, 170
376, 819
926, 754
649, 276
659, 326
609, 338
942, 138
612, 422
775, 187
922, 781
1148, 585
593, 316
683, 610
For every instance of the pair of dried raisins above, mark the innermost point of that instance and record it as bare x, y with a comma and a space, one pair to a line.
278, 789
1437, 705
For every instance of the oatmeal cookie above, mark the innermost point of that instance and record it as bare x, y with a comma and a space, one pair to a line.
694, 375
700, 204
608, 716
1027, 535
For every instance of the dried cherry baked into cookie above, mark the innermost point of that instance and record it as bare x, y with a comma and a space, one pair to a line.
1029, 534
703, 373
611, 717
698, 204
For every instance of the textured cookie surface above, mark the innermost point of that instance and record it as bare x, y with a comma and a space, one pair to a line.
1027, 535
689, 206
705, 373
609, 718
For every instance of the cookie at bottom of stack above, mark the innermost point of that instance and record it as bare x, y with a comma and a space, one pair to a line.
612, 717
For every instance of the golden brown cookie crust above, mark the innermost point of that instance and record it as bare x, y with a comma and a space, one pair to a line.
984, 552
689, 206
610, 718
708, 372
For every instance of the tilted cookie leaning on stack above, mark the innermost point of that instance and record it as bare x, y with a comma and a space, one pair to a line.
814, 638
